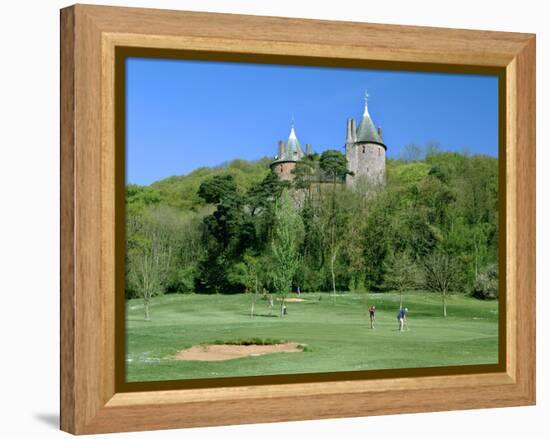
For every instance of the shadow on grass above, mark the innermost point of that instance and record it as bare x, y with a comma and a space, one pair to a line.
258, 315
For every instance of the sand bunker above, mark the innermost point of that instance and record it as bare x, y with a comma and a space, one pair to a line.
221, 352
293, 299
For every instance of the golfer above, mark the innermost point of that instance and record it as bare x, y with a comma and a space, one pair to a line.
372, 308
402, 317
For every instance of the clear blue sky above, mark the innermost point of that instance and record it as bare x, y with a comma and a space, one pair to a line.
182, 115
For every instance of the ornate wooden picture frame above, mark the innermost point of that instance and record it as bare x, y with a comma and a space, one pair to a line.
94, 396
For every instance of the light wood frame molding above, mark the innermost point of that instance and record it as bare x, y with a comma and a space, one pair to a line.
89, 36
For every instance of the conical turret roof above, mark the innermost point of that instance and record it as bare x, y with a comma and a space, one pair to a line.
367, 132
293, 148
292, 151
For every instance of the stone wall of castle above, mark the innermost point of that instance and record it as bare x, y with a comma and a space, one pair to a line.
284, 170
368, 163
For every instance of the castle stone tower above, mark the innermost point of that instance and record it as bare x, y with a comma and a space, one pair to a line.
287, 156
365, 151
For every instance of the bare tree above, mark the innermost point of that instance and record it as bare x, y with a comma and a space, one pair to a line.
149, 258
251, 279
401, 273
440, 275
285, 245
334, 165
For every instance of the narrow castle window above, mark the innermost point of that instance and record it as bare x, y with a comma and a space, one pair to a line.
363, 149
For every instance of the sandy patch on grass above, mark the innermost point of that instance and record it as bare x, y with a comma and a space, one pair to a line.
292, 299
221, 352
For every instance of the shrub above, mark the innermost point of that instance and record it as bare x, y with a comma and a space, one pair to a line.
181, 280
486, 285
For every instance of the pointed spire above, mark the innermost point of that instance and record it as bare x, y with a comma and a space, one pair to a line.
366, 132
293, 150
366, 112
292, 134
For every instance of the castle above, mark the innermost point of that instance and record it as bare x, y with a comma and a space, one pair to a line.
365, 153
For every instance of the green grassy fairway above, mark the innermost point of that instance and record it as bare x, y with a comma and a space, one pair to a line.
337, 335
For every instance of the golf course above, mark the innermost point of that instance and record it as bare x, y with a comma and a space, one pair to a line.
332, 334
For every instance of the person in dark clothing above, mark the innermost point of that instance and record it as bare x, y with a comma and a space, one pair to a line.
402, 318
372, 309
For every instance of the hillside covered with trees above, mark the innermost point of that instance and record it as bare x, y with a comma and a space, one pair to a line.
238, 228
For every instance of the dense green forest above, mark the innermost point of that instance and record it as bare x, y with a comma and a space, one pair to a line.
238, 228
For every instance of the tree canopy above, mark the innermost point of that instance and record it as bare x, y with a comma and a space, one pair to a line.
225, 222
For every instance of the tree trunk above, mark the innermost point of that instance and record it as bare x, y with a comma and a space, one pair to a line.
282, 306
475, 259
333, 239
333, 276
146, 306
444, 304
254, 297
400, 299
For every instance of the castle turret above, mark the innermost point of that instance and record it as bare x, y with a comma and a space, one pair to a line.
365, 151
287, 158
